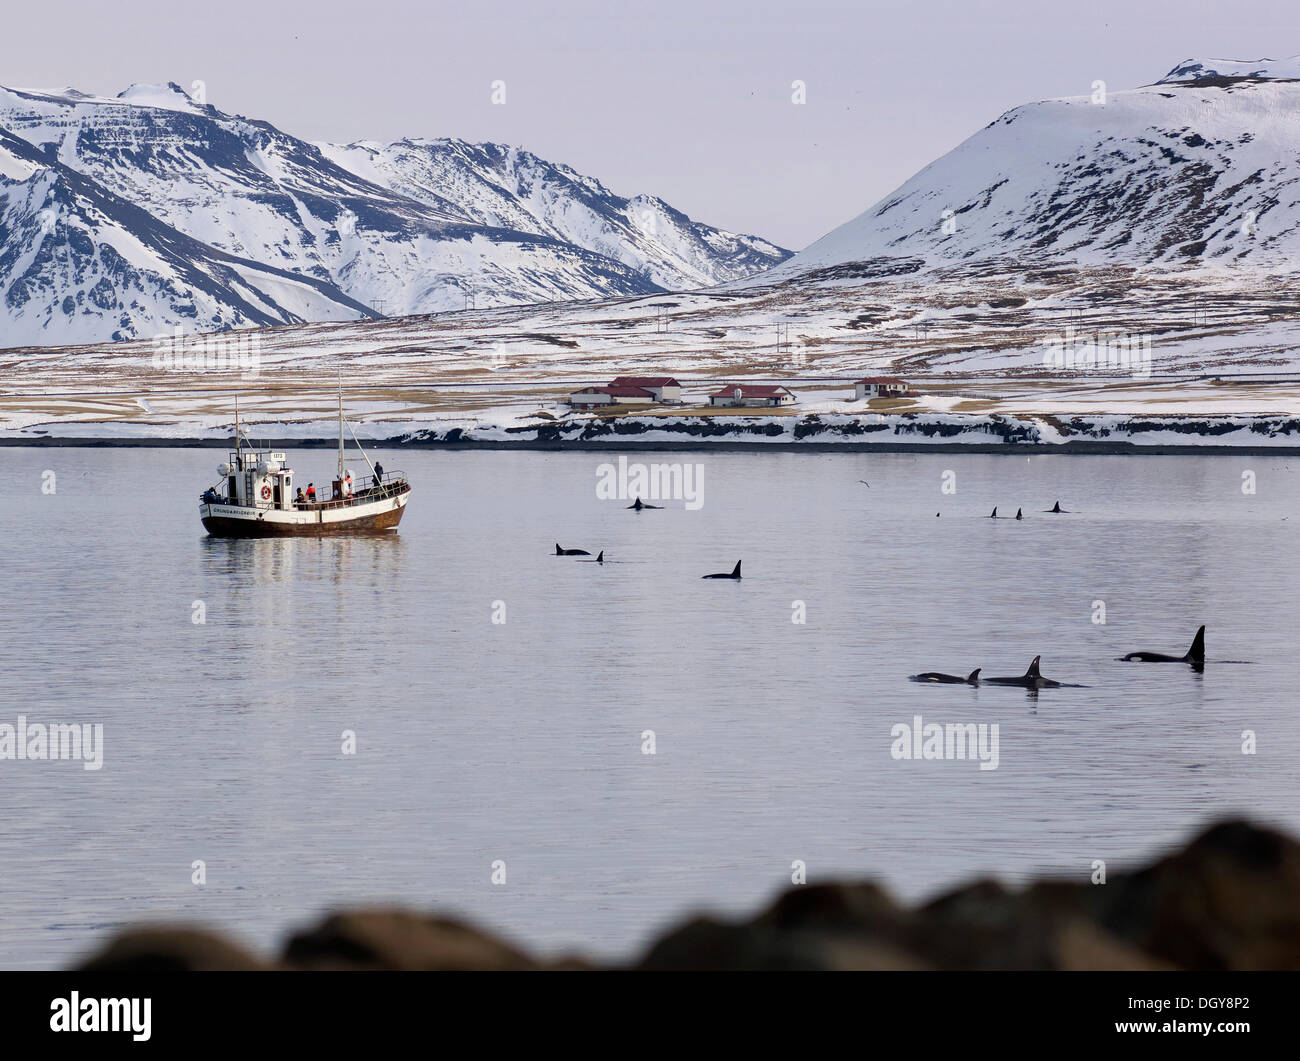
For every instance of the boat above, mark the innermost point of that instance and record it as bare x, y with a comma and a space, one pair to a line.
255, 495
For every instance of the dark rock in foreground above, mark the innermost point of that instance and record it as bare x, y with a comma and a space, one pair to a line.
164, 949
400, 940
1230, 900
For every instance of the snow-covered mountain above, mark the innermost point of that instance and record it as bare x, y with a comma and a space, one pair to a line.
1204, 69
79, 264
1202, 169
506, 187
385, 237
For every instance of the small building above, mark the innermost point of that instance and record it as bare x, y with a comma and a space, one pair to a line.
664, 388
881, 387
602, 397
750, 395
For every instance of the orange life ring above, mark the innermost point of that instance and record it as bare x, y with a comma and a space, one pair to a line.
266, 493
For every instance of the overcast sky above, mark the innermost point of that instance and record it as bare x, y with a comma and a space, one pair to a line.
689, 100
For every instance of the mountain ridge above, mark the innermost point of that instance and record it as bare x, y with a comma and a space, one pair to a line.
1201, 173
244, 188
84, 260
511, 187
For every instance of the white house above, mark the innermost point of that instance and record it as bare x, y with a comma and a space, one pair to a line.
751, 394
664, 388
599, 397
881, 387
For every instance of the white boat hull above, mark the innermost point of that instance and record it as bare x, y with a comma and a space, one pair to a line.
358, 517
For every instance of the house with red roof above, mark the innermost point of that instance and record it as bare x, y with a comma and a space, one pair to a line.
629, 390
664, 388
603, 397
751, 395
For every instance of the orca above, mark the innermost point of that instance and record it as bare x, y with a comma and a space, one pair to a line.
1031, 679
1195, 655
973, 678
570, 552
639, 505
735, 573
994, 513
1057, 510
1020, 513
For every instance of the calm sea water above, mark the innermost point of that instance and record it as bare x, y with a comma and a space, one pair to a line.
522, 741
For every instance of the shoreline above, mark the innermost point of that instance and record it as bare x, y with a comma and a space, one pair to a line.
991, 433
1073, 449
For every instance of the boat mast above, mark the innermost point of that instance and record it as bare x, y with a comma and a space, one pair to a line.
341, 469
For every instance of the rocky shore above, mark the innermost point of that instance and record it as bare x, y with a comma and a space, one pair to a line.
1229, 900
994, 432
828, 432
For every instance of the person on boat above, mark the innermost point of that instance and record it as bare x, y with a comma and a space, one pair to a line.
311, 493
379, 472
347, 484
210, 495
298, 498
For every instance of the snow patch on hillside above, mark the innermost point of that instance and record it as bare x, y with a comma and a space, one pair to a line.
14, 168
166, 97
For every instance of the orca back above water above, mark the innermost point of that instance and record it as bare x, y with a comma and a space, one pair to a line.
1057, 510
1195, 655
734, 574
570, 552
947, 679
1031, 679
638, 505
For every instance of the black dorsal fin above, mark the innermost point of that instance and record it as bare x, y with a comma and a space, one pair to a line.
974, 676
1032, 672
736, 571
558, 550
1196, 654
1056, 507
994, 513
600, 557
